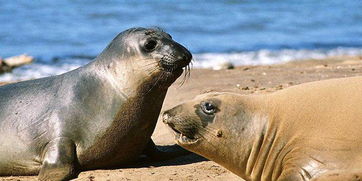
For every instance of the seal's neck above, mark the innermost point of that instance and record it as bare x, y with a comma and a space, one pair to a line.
125, 76
266, 152
253, 147
260, 154
244, 144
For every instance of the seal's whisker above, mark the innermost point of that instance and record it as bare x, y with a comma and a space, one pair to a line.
141, 59
148, 64
188, 71
151, 64
149, 67
186, 75
189, 121
192, 63
191, 66
192, 124
182, 82
178, 119
158, 79
151, 70
181, 121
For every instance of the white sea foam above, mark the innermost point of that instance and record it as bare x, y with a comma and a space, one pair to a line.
204, 60
264, 57
38, 70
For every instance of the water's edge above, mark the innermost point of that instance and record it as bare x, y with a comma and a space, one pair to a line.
58, 65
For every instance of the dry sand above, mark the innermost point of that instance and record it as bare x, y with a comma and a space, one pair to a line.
244, 80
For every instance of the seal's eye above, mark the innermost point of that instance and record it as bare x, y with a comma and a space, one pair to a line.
150, 45
208, 108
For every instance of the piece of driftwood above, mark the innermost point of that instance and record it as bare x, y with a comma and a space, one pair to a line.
7, 64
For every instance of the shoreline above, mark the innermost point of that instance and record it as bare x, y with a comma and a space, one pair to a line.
259, 79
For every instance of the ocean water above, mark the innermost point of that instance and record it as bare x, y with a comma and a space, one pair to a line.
66, 34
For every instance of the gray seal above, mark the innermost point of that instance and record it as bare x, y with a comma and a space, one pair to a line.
100, 115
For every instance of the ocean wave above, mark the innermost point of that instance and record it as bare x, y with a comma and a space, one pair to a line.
264, 57
39, 70
203, 60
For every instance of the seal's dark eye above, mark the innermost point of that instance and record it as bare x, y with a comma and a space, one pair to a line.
208, 108
150, 45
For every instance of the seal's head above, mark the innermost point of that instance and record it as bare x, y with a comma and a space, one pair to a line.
147, 53
218, 126
199, 120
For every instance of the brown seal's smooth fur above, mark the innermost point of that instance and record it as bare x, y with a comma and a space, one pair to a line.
306, 132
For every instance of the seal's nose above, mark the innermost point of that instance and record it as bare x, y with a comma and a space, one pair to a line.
183, 56
165, 117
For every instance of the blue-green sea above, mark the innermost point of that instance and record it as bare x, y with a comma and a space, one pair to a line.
66, 34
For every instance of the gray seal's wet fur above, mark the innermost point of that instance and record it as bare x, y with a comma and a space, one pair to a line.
100, 115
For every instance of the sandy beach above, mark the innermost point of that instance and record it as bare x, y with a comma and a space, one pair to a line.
243, 80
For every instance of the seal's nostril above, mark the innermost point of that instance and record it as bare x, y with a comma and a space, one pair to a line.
184, 58
165, 117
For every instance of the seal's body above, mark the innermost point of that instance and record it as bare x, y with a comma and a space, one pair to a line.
306, 132
97, 116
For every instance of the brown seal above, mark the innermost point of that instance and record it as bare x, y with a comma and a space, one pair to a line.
98, 116
307, 132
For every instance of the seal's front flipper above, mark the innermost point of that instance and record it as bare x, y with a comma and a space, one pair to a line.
154, 154
59, 160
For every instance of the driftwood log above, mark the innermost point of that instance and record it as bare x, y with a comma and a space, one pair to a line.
7, 64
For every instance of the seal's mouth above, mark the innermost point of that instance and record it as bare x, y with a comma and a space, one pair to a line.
175, 65
184, 140
182, 136
171, 67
